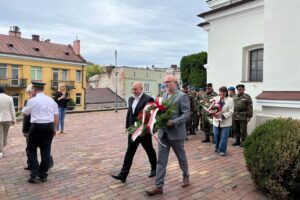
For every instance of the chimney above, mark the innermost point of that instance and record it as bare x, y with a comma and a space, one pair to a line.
76, 47
47, 40
14, 31
36, 38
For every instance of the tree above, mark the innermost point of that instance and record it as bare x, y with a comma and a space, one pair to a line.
93, 69
192, 69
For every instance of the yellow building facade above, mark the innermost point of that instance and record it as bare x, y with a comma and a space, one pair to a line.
18, 70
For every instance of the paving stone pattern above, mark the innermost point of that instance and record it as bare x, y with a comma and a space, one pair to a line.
93, 148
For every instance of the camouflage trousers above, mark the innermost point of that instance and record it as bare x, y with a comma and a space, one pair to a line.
189, 126
195, 118
240, 129
206, 126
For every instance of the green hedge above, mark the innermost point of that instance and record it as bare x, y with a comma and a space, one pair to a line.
272, 154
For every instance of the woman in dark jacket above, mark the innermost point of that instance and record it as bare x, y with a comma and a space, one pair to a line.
62, 98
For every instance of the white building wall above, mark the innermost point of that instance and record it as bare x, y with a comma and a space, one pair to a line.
282, 32
227, 38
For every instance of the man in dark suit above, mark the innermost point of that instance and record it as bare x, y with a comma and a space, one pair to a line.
136, 104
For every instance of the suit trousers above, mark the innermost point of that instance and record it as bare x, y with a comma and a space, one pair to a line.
163, 155
146, 142
4, 126
40, 136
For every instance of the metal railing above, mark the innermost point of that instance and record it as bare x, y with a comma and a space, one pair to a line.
13, 83
69, 84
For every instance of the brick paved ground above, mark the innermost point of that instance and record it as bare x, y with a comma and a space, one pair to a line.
93, 149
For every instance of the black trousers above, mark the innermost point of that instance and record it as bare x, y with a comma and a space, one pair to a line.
40, 136
51, 162
146, 142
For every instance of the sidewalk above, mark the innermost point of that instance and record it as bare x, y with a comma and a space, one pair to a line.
93, 148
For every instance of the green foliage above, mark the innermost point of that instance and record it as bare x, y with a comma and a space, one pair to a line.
71, 104
18, 113
92, 70
192, 69
272, 154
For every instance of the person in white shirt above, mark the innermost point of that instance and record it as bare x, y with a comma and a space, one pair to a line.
44, 117
7, 117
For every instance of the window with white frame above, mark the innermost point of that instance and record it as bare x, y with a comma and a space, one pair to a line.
36, 73
78, 99
256, 59
147, 87
78, 75
65, 74
3, 71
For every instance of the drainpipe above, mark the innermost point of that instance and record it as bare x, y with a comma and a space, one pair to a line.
82, 84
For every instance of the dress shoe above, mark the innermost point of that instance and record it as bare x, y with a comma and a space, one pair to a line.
152, 173
185, 181
119, 177
34, 180
154, 191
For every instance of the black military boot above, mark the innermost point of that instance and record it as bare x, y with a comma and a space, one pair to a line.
237, 142
207, 139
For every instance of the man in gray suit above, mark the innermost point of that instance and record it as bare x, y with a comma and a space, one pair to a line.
173, 136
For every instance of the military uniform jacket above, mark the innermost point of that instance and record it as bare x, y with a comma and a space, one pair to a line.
243, 108
207, 97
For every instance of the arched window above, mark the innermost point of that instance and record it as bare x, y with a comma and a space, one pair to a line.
256, 65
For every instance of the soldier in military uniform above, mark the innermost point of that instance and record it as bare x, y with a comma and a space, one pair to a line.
231, 93
199, 108
189, 123
243, 111
206, 126
194, 117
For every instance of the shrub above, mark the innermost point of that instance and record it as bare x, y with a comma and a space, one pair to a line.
272, 154
18, 113
71, 104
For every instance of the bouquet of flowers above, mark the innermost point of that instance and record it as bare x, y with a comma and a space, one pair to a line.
212, 107
154, 116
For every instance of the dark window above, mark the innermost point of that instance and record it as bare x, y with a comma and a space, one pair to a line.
16, 101
78, 75
78, 98
256, 65
3, 71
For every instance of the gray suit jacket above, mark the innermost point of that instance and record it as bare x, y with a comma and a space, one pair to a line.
182, 115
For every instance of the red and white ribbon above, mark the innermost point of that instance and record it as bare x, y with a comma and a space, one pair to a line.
150, 126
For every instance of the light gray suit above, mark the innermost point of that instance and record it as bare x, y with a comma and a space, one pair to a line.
173, 137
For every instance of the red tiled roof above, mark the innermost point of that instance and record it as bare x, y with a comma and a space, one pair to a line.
101, 95
39, 49
280, 95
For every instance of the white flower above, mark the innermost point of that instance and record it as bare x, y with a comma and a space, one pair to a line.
160, 100
135, 124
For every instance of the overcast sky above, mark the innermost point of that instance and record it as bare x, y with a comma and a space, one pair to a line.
145, 32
